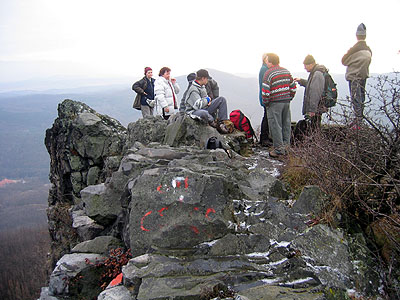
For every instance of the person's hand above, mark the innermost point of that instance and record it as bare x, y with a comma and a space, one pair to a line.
310, 114
166, 109
297, 79
173, 80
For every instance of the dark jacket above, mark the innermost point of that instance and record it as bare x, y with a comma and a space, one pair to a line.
264, 68
212, 89
141, 86
314, 85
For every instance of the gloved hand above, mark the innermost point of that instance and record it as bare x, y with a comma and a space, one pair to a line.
208, 99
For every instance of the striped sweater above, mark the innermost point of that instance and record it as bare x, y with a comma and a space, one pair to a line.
278, 85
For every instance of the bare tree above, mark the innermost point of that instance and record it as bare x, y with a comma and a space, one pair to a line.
359, 167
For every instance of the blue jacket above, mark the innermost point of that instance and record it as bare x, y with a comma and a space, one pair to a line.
263, 69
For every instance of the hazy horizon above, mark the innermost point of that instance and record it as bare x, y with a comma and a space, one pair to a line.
88, 39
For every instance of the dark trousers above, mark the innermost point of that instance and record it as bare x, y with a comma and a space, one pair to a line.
265, 139
357, 93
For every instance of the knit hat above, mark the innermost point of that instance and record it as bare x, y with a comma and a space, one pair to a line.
147, 69
203, 73
309, 60
191, 77
361, 30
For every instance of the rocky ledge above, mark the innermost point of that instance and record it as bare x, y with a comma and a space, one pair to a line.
200, 224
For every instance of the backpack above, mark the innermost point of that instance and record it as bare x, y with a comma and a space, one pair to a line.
242, 123
213, 143
329, 96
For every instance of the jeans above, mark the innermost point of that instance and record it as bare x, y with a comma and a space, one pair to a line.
279, 122
357, 93
216, 104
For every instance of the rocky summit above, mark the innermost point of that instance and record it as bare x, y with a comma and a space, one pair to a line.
200, 223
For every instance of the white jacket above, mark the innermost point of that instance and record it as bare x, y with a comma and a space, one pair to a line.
164, 95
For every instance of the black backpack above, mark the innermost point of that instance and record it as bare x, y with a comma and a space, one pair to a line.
213, 143
329, 96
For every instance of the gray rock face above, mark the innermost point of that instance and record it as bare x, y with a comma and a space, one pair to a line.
197, 221
147, 130
67, 268
82, 145
115, 293
44, 294
100, 245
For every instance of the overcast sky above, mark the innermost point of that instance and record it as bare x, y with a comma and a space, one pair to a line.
98, 38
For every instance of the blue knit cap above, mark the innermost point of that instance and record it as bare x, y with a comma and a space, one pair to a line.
361, 30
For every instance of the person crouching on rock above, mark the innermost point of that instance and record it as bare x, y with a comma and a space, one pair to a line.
199, 104
165, 89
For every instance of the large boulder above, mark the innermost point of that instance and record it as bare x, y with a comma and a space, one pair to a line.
101, 245
65, 280
85, 148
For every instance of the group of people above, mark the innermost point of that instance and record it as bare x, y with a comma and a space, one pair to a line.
277, 88
200, 100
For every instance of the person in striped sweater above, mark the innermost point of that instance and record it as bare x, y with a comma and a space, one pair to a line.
278, 89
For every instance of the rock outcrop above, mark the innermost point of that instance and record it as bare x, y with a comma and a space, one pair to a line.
200, 225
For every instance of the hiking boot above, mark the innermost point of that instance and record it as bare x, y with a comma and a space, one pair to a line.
213, 124
275, 154
222, 128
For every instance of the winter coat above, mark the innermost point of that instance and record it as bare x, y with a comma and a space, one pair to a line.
196, 97
314, 85
278, 85
357, 60
140, 87
264, 68
165, 91
212, 89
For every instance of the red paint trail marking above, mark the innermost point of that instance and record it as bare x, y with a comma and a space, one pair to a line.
195, 229
161, 210
186, 182
142, 220
178, 184
209, 210
159, 189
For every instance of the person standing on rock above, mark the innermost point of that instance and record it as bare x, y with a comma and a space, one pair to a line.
165, 89
278, 89
145, 93
357, 60
199, 104
265, 140
314, 85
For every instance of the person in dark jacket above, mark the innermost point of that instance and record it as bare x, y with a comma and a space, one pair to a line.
145, 90
314, 85
265, 139
357, 60
212, 88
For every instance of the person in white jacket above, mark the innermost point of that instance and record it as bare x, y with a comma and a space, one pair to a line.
165, 90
